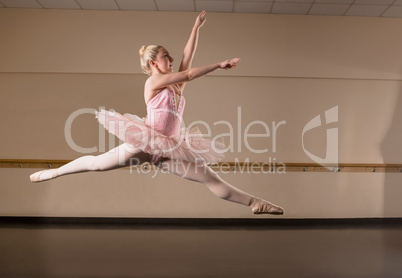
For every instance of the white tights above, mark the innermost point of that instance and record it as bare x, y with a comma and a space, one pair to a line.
124, 155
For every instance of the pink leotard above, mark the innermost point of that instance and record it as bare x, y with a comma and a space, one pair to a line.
161, 134
164, 114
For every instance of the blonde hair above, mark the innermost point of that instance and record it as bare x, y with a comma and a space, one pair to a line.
148, 53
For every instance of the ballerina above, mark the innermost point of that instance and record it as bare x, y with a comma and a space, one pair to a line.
159, 139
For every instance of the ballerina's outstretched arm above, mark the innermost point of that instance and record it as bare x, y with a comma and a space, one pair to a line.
192, 43
159, 81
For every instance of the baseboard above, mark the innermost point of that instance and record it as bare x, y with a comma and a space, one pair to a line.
199, 222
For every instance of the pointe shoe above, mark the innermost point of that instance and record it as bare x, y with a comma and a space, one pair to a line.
44, 175
259, 206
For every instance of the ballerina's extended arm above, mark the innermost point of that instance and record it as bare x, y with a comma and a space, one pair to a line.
192, 43
159, 81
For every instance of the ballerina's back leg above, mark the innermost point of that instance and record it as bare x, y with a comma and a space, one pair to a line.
202, 173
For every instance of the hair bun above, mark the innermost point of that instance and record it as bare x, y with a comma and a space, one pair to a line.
148, 53
142, 50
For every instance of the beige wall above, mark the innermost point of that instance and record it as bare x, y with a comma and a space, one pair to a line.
293, 68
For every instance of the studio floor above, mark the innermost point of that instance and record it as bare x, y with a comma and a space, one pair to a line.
59, 250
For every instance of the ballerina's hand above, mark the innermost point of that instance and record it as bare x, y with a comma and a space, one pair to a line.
200, 19
228, 64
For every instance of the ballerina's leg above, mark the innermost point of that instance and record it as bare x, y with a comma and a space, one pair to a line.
202, 173
121, 156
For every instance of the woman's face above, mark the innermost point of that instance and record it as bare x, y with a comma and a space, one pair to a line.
163, 61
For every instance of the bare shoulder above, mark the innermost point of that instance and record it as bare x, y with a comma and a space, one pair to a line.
150, 90
153, 82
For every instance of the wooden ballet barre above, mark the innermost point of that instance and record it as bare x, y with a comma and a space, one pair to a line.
309, 167
32, 163
246, 167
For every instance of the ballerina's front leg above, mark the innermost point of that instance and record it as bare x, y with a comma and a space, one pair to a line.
202, 173
121, 156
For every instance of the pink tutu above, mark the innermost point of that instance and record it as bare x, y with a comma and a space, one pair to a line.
188, 145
